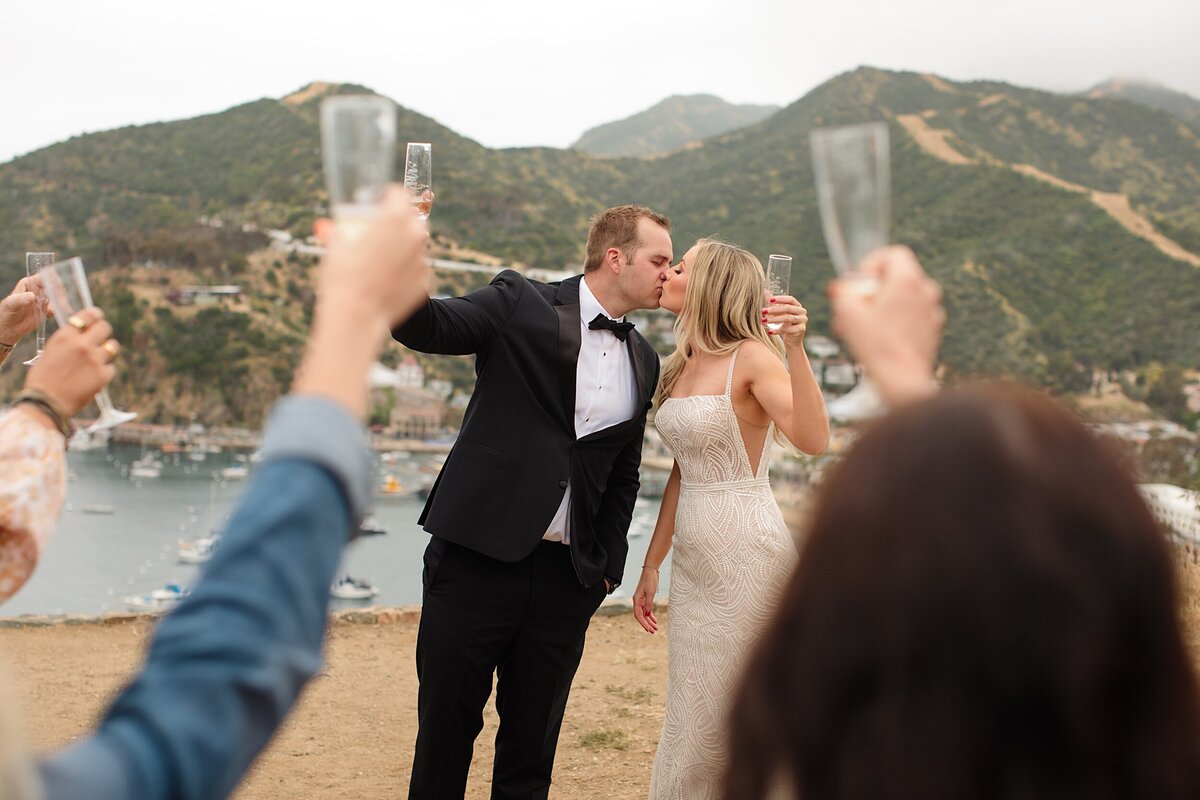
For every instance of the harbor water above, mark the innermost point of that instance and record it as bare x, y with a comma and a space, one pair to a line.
119, 535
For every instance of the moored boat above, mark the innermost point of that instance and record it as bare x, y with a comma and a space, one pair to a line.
348, 588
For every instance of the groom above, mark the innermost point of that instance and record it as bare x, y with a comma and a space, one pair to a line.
530, 513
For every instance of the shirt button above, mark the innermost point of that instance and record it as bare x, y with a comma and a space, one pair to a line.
562, 484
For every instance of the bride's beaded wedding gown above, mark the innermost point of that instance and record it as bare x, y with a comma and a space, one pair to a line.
731, 553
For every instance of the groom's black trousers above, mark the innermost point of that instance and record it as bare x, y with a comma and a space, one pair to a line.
524, 621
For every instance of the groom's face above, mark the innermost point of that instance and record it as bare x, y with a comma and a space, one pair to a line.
643, 276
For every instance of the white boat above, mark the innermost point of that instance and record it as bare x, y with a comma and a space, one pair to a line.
158, 600
146, 467
235, 473
197, 551
348, 588
371, 526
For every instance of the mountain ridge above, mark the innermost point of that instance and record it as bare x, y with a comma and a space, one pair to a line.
1151, 95
675, 122
1042, 281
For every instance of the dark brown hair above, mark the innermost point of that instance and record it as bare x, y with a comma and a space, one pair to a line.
618, 227
984, 608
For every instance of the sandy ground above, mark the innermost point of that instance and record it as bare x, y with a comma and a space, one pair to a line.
352, 733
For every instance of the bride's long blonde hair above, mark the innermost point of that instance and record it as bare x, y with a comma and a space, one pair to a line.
722, 306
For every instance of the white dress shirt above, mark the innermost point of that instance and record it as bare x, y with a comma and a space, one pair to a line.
605, 390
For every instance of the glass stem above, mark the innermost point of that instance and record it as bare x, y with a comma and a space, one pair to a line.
104, 403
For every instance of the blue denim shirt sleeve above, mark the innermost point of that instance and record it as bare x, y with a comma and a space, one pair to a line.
225, 667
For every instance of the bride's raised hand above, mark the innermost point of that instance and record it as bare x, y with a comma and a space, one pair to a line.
643, 599
791, 317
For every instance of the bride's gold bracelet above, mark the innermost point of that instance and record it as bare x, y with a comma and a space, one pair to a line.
647, 566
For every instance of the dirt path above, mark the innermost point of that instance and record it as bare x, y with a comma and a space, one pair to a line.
932, 140
935, 142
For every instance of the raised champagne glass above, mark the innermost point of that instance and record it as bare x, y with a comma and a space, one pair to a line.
853, 179
779, 278
66, 286
358, 146
33, 263
418, 176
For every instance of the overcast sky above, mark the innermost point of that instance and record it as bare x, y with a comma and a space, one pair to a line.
541, 72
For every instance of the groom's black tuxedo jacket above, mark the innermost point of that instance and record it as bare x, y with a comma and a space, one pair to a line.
506, 474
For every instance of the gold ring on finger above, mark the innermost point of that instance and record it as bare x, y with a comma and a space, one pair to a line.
77, 322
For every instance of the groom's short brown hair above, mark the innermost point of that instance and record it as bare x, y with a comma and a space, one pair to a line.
618, 227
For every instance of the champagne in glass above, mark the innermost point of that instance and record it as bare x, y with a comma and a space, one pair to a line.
779, 277
418, 176
853, 178
33, 263
358, 142
66, 285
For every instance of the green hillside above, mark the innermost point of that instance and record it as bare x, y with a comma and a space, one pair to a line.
673, 123
1065, 229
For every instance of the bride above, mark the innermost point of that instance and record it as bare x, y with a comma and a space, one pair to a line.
725, 393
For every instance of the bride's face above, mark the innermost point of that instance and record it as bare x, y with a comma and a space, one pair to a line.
676, 284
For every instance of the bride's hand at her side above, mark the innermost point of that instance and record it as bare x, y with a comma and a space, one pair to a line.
643, 599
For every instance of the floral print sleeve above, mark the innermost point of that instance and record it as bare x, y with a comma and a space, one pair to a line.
32, 485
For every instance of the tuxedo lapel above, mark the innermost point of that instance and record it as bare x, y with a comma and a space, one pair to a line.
567, 309
637, 358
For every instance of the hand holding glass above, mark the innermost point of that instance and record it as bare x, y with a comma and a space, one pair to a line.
33, 263
358, 144
418, 176
66, 285
779, 278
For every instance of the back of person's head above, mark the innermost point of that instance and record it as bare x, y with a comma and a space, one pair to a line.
722, 305
984, 607
726, 289
618, 227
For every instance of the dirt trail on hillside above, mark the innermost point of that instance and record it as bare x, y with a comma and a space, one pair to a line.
934, 141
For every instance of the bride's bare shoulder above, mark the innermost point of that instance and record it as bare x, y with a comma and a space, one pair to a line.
752, 351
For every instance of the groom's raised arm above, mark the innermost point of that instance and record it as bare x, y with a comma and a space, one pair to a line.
462, 325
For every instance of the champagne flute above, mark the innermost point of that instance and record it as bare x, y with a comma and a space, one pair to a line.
779, 277
66, 285
33, 263
853, 180
358, 143
418, 176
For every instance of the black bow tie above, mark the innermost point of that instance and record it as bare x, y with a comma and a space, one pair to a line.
619, 329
